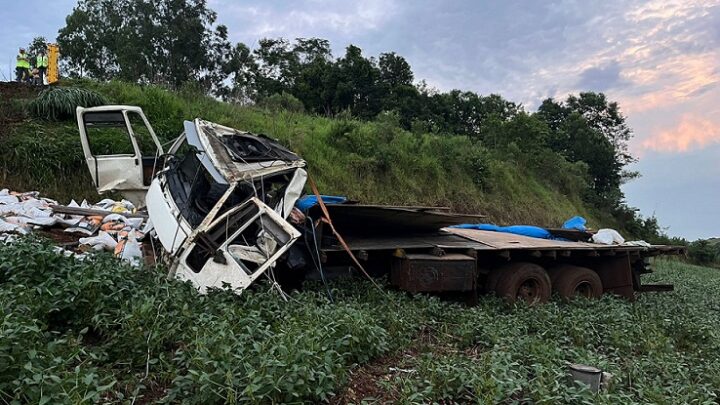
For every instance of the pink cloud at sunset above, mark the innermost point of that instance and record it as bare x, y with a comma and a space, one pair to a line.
693, 132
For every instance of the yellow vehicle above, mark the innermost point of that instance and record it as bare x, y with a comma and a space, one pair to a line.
53, 73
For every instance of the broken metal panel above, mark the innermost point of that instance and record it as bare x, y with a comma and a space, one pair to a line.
215, 139
193, 139
253, 240
165, 215
294, 190
430, 273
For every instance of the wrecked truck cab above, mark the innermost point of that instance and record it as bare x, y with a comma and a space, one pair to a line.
121, 149
219, 204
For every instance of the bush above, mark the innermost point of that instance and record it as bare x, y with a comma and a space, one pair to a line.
705, 252
283, 101
57, 103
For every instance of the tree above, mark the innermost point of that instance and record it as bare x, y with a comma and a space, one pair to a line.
38, 44
394, 71
355, 80
606, 118
165, 41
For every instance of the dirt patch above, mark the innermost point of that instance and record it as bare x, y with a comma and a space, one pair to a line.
12, 97
366, 381
15, 90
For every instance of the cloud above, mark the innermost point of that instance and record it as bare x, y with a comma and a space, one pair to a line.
249, 21
601, 78
693, 132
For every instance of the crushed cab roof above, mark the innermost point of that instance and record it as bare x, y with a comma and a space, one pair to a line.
238, 155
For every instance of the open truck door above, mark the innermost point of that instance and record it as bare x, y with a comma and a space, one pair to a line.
121, 149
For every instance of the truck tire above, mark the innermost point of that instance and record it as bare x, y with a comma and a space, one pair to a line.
574, 281
523, 281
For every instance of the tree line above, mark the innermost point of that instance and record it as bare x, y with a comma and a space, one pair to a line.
176, 42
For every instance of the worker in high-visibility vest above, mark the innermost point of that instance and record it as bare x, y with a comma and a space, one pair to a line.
22, 68
41, 63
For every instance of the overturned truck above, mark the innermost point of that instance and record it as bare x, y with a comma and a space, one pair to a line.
223, 205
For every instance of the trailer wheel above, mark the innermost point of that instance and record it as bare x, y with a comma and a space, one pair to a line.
575, 281
523, 281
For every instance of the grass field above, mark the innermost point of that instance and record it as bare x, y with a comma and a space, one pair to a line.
98, 331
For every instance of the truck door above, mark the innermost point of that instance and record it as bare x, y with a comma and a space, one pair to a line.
120, 147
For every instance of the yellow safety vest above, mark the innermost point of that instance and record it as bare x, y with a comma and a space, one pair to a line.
22, 61
41, 61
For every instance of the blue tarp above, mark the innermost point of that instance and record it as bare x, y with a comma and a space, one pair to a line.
307, 202
575, 223
525, 230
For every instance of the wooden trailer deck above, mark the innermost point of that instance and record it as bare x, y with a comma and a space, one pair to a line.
488, 241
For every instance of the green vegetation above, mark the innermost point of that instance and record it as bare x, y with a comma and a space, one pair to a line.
377, 162
57, 103
100, 331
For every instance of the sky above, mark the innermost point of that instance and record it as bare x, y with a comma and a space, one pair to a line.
660, 60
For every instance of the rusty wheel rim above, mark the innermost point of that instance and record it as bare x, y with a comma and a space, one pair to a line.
529, 290
583, 289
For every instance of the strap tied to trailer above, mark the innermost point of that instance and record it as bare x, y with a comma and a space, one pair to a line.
326, 219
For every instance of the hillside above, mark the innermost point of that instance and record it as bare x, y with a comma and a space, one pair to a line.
374, 162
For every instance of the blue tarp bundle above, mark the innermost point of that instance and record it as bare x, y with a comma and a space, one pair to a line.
307, 202
525, 230
575, 223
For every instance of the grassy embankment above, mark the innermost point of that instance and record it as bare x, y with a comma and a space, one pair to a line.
374, 162
98, 331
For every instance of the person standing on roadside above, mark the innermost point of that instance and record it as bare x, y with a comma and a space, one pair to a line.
41, 63
22, 67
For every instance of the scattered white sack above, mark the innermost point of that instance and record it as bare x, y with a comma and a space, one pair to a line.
103, 241
115, 217
607, 236
43, 221
129, 250
10, 227
14, 209
34, 212
8, 199
134, 223
27, 221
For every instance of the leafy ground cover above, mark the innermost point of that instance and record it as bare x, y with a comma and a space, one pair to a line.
98, 331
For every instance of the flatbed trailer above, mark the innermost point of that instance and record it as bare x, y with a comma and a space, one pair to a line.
456, 260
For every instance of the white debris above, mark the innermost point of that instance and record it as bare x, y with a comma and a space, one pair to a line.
20, 213
607, 236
